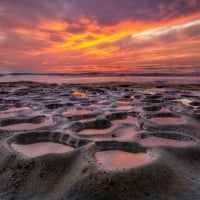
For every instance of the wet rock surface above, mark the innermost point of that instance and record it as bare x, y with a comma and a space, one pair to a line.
98, 142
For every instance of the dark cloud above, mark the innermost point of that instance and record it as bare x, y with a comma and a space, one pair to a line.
105, 12
108, 12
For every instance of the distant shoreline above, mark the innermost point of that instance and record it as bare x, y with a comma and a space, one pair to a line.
194, 87
106, 74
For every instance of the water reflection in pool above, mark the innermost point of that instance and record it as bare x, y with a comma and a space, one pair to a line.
120, 160
38, 149
158, 141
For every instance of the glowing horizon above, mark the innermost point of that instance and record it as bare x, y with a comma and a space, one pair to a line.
66, 35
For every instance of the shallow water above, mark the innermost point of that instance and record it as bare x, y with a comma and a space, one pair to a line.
26, 126
77, 112
11, 112
113, 129
38, 149
6, 115
14, 109
168, 120
97, 131
120, 102
120, 160
164, 110
95, 105
126, 134
129, 120
158, 141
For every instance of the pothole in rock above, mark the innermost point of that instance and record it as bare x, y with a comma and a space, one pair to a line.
95, 105
122, 103
121, 160
116, 124
125, 134
164, 110
153, 141
168, 120
42, 148
97, 131
27, 125
128, 121
6, 115
104, 102
11, 112
15, 109
76, 112
39, 136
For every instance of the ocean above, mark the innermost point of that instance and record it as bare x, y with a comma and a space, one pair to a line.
168, 74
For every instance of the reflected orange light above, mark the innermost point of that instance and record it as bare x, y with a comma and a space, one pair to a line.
79, 93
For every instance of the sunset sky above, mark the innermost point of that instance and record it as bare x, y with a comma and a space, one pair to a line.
67, 35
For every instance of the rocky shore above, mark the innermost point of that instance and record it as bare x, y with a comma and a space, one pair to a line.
119, 141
